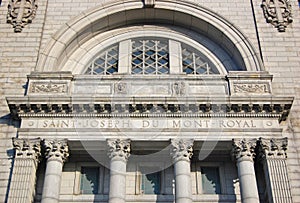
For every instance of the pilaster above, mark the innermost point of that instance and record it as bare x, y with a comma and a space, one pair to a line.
23, 181
272, 155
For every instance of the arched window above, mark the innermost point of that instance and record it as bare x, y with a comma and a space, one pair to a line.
152, 56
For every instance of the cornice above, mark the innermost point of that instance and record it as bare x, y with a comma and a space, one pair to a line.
228, 106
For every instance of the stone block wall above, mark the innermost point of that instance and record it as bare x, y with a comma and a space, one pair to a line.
19, 53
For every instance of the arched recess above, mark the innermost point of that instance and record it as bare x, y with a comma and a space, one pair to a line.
59, 52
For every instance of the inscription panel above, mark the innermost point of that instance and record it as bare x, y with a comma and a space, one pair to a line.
155, 123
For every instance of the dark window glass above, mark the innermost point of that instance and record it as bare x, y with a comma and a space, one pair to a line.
210, 180
89, 180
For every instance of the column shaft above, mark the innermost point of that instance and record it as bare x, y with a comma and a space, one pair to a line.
56, 154
182, 151
52, 182
247, 179
183, 189
117, 188
119, 151
243, 153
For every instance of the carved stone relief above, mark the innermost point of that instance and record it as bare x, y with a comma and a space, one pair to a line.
179, 88
56, 150
278, 13
149, 3
120, 88
243, 149
119, 149
20, 13
182, 149
49, 87
251, 88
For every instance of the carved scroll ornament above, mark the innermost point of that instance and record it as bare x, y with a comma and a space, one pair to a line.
278, 13
20, 13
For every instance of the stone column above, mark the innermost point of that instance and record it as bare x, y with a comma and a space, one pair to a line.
243, 153
181, 153
118, 152
22, 188
56, 152
272, 155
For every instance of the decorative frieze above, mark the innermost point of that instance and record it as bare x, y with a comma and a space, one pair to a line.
243, 149
251, 88
20, 13
118, 149
278, 13
56, 150
181, 149
49, 87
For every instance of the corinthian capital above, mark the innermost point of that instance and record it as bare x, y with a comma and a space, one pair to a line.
272, 148
181, 149
243, 149
27, 148
56, 150
118, 149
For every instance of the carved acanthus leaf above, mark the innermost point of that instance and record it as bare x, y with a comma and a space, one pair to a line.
181, 149
56, 150
27, 148
118, 148
273, 148
243, 149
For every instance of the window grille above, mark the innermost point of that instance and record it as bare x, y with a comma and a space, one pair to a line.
106, 63
194, 62
150, 56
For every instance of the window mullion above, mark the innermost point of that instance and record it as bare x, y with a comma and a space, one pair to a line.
194, 64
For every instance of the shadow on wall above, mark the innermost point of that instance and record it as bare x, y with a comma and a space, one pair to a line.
7, 120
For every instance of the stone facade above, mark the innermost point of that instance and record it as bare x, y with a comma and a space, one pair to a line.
58, 128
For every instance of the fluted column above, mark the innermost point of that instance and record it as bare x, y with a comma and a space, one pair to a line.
272, 155
243, 153
118, 152
181, 153
56, 152
23, 181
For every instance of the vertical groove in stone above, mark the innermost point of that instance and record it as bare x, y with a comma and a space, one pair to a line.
22, 188
279, 182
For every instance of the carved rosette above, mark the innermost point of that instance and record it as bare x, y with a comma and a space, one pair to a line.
120, 88
20, 13
243, 150
118, 149
272, 148
278, 13
181, 149
27, 148
57, 150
